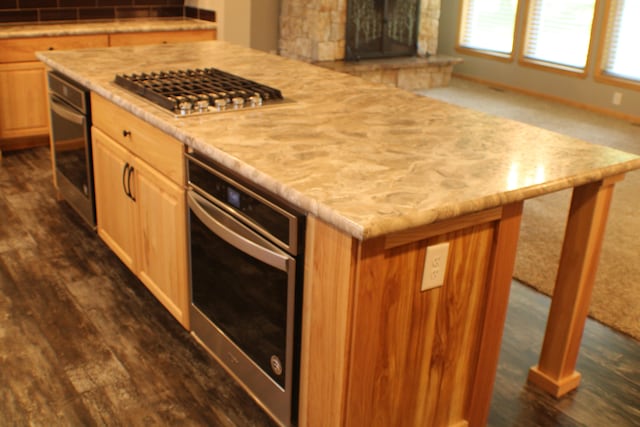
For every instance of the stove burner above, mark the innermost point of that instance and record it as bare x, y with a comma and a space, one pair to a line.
189, 92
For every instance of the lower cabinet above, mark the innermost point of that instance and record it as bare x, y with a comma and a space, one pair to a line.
23, 111
160, 37
141, 216
24, 115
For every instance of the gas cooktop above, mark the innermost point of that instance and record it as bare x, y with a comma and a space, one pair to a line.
199, 91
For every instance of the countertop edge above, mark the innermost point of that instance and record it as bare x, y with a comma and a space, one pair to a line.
101, 27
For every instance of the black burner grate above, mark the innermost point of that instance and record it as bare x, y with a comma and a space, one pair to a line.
200, 90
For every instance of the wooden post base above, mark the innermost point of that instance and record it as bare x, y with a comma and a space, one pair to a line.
555, 387
556, 370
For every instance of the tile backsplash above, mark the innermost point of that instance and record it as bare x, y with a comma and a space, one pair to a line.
16, 11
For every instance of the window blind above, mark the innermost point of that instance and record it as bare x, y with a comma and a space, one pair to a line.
488, 25
559, 32
623, 32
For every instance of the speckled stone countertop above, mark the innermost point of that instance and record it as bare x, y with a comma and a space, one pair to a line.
101, 27
366, 158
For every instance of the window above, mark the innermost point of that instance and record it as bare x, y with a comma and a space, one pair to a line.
621, 57
488, 25
558, 33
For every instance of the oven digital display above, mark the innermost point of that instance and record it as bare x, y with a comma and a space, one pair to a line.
233, 197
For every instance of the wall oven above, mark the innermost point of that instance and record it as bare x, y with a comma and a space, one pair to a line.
246, 282
71, 144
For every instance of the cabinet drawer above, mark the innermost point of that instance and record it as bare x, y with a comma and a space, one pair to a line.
23, 49
160, 37
155, 147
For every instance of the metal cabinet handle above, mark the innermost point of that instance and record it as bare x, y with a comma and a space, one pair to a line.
124, 186
131, 196
127, 171
126, 133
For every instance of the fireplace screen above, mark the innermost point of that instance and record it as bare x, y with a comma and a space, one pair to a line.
381, 28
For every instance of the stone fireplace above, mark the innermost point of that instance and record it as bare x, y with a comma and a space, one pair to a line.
315, 31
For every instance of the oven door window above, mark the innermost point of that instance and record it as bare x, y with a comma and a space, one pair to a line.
70, 144
249, 300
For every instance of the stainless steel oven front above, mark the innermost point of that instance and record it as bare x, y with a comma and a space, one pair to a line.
246, 276
71, 144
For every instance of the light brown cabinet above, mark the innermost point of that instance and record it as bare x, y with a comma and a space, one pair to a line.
24, 116
398, 355
114, 208
160, 37
22, 110
140, 204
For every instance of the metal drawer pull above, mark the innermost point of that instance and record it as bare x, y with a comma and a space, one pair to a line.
131, 196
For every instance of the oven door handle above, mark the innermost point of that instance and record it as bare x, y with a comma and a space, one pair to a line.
247, 242
61, 109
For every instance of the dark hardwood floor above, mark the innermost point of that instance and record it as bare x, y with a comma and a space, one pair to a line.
83, 343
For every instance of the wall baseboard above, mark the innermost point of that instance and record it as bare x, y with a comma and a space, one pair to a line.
634, 119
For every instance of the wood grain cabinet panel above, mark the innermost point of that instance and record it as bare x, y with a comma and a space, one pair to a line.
379, 351
23, 110
160, 37
158, 149
23, 49
140, 205
162, 253
114, 208
23, 92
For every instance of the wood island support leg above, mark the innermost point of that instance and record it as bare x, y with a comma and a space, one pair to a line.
555, 372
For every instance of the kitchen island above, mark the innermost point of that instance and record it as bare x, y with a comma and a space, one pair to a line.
384, 175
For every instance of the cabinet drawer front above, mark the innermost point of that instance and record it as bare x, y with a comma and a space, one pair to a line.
160, 37
155, 147
23, 49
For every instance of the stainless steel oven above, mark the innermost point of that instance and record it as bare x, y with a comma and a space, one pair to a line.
246, 282
71, 144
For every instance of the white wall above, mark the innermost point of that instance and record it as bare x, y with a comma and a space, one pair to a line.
202, 4
586, 92
251, 23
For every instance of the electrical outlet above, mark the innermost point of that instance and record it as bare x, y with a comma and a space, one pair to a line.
435, 266
617, 98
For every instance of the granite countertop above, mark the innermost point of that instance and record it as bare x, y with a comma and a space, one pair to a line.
366, 158
101, 27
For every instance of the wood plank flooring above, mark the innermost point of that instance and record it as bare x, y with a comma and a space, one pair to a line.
83, 343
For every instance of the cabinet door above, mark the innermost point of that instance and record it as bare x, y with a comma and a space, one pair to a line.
162, 254
115, 210
23, 106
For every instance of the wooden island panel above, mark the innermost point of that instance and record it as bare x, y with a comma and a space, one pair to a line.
382, 352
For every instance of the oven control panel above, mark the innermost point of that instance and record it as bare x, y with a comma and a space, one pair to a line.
252, 206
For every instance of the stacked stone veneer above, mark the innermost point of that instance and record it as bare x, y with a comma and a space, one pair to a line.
314, 30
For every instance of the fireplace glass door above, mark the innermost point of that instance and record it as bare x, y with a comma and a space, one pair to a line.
381, 28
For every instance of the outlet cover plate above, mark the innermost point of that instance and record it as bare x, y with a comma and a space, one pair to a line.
435, 266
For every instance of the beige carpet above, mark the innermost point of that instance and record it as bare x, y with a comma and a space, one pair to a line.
616, 295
